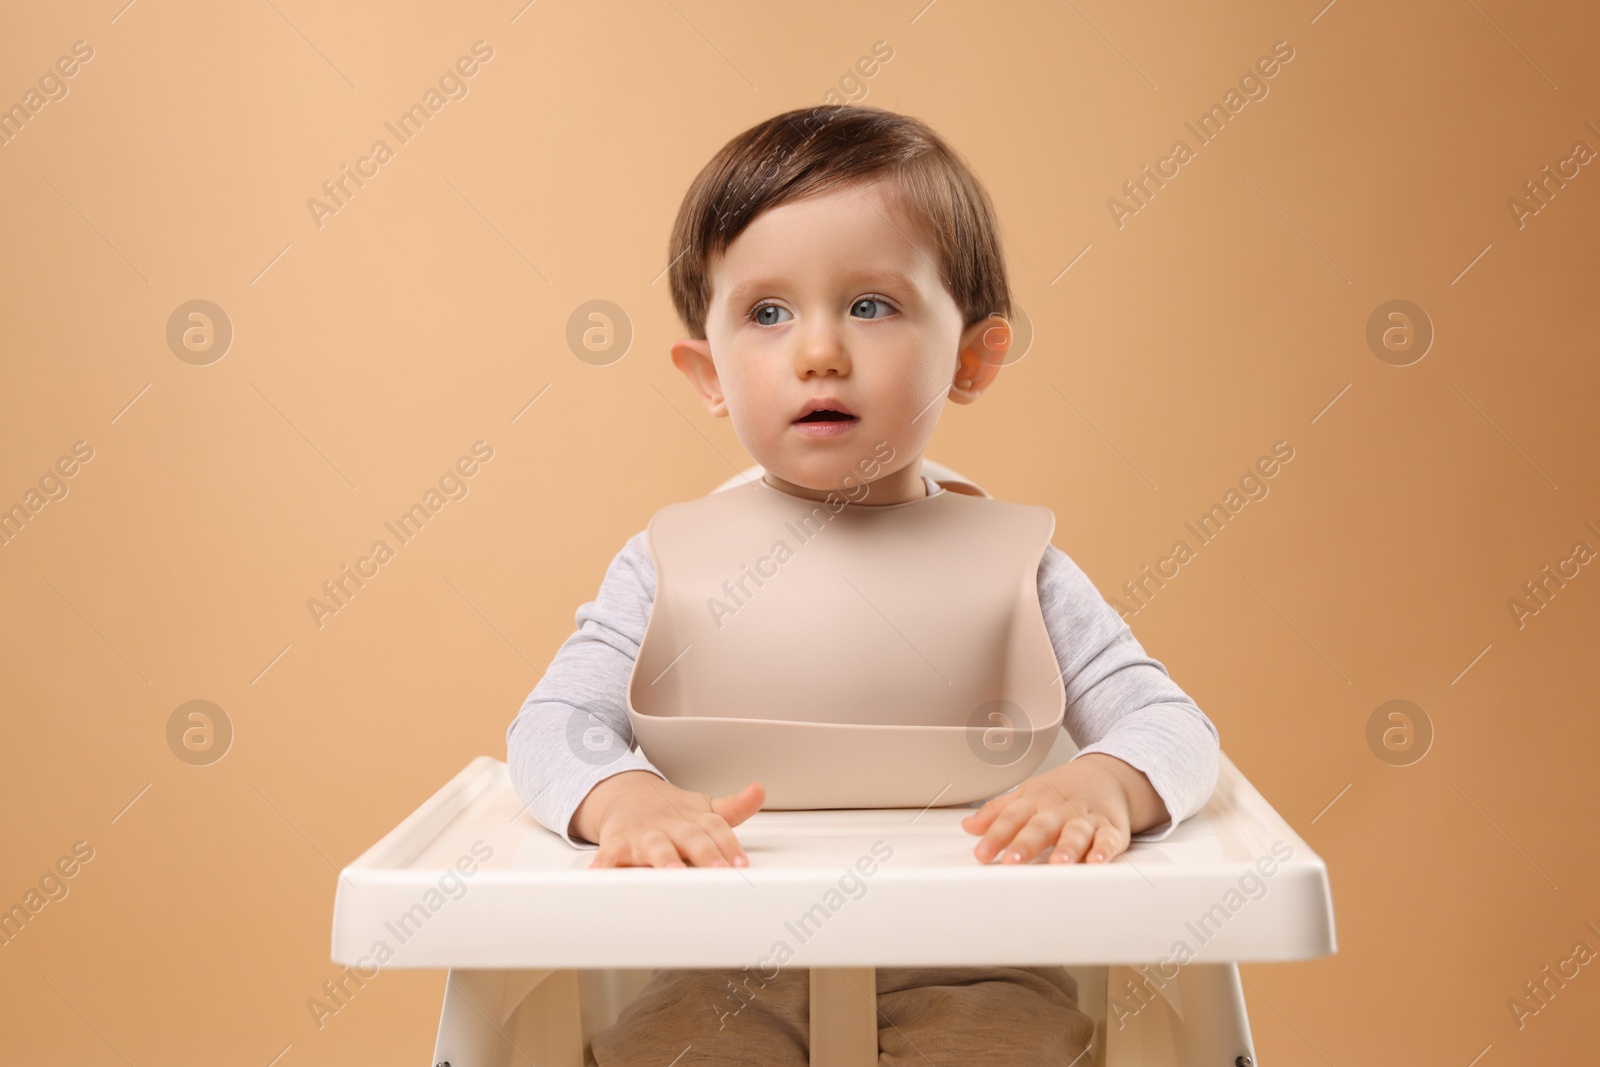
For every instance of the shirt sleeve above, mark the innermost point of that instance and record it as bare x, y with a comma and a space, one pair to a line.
1120, 701
573, 730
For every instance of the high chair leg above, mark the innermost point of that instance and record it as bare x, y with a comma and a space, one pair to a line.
500, 1018
1215, 1028
844, 1017
1197, 1017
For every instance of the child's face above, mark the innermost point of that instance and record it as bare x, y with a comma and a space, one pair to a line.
837, 297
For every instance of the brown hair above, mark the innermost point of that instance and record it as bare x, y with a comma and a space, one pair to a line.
813, 150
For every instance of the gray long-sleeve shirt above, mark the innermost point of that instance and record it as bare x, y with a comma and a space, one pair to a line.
573, 730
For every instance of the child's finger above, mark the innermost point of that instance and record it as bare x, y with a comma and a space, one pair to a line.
1108, 842
722, 835
979, 820
659, 849
740, 806
605, 856
1005, 825
1073, 841
1040, 830
709, 842
701, 849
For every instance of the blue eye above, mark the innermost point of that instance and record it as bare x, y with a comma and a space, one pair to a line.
759, 310
759, 314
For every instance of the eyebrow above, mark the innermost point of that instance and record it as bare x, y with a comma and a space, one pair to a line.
748, 290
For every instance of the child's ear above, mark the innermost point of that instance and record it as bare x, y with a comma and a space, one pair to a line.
983, 350
693, 357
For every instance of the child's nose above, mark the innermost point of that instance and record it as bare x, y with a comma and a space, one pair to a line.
822, 349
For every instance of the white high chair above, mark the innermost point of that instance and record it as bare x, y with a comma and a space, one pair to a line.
543, 952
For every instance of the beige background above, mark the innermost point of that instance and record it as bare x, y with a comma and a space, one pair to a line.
1227, 314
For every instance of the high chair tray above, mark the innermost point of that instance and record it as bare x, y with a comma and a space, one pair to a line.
470, 880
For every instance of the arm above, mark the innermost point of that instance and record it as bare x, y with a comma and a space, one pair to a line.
1148, 756
1122, 703
568, 748
573, 731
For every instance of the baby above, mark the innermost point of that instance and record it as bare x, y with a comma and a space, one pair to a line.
845, 259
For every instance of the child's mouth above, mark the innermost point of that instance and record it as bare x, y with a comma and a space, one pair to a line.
825, 423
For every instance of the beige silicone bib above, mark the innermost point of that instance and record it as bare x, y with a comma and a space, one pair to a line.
847, 655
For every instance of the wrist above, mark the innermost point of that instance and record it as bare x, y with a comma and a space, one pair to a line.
1144, 804
591, 811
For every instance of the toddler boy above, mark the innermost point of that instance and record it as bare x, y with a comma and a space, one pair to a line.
839, 270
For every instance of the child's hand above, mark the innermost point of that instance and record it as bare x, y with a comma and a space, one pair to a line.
644, 821
1082, 806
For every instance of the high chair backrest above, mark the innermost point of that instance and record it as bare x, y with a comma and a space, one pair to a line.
937, 471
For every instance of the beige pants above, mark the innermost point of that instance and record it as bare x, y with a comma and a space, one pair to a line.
927, 1016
